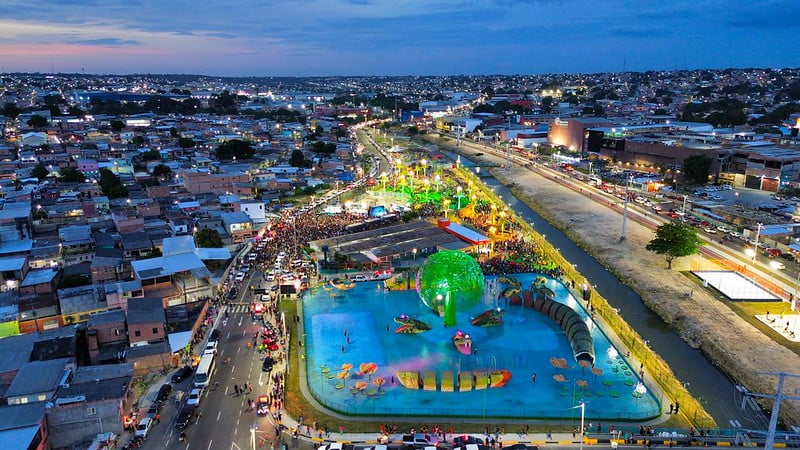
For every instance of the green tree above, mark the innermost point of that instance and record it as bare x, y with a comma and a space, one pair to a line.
151, 155
10, 110
325, 148
674, 240
161, 170
76, 111
73, 280
298, 160
37, 121
71, 175
547, 104
111, 185
138, 141
208, 238
697, 168
40, 172
235, 148
186, 142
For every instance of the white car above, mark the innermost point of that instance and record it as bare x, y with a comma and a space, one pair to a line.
144, 427
211, 348
270, 278
239, 276
777, 265
710, 230
194, 396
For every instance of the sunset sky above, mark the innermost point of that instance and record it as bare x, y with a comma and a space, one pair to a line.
394, 37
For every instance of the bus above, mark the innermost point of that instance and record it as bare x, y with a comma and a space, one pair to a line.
205, 369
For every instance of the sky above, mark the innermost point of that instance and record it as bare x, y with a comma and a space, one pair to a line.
394, 37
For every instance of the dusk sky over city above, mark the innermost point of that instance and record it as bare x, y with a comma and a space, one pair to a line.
366, 37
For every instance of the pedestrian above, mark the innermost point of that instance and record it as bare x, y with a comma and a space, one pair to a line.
343, 349
341, 429
550, 434
533, 378
671, 407
348, 340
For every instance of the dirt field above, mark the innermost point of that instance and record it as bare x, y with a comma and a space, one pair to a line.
701, 320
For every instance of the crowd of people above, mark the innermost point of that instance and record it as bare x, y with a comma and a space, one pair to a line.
518, 256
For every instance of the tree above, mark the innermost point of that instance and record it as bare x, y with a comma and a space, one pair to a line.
161, 170
208, 238
696, 168
71, 175
40, 172
37, 121
547, 104
76, 111
326, 148
73, 280
10, 110
235, 148
138, 141
674, 240
151, 155
111, 185
298, 160
117, 125
186, 142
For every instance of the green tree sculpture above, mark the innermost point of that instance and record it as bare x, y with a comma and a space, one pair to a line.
450, 280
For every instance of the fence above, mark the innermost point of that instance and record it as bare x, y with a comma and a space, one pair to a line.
652, 363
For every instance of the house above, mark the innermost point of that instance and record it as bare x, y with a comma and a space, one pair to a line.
127, 224
76, 238
77, 303
41, 281
256, 211
136, 244
118, 294
238, 225
146, 321
95, 401
105, 269
24, 426
37, 381
12, 271
107, 336
176, 278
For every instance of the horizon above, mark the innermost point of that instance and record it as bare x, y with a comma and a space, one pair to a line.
353, 38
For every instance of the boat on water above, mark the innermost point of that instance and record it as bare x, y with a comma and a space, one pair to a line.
463, 342
410, 325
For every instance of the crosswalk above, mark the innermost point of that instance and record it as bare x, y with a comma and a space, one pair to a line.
239, 308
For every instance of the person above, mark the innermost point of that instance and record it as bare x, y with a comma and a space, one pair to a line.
533, 377
183, 436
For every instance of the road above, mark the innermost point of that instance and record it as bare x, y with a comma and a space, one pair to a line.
223, 421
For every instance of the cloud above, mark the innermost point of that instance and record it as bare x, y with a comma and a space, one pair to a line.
221, 35
105, 42
639, 33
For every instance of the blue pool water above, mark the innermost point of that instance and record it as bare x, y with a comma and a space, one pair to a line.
523, 345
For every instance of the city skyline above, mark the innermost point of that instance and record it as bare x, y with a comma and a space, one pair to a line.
363, 37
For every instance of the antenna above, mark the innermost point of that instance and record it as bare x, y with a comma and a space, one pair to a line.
777, 398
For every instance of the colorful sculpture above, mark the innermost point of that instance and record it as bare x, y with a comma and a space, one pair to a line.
410, 325
489, 318
463, 342
449, 279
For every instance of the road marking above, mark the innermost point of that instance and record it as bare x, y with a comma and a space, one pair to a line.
228, 336
209, 444
240, 322
233, 368
238, 350
221, 352
226, 390
218, 414
260, 383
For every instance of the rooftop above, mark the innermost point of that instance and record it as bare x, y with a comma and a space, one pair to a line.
146, 310
106, 317
40, 276
38, 377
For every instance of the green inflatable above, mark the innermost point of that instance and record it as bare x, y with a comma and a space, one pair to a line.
449, 280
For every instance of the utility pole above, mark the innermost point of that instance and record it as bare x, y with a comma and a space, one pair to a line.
777, 398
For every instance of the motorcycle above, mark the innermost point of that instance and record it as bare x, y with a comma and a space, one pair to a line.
182, 436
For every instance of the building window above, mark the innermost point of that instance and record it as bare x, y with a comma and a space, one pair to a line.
137, 333
155, 330
91, 411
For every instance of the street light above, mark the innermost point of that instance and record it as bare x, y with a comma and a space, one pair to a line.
415, 255
755, 247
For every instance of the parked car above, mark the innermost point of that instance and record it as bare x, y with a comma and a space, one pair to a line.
163, 393
262, 407
214, 336
239, 276
182, 374
211, 348
268, 363
185, 416
360, 278
143, 428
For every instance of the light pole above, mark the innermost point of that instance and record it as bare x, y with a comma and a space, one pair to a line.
415, 256
458, 196
755, 247
684, 205
625, 209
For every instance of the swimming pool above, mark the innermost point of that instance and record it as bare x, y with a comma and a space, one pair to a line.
356, 326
